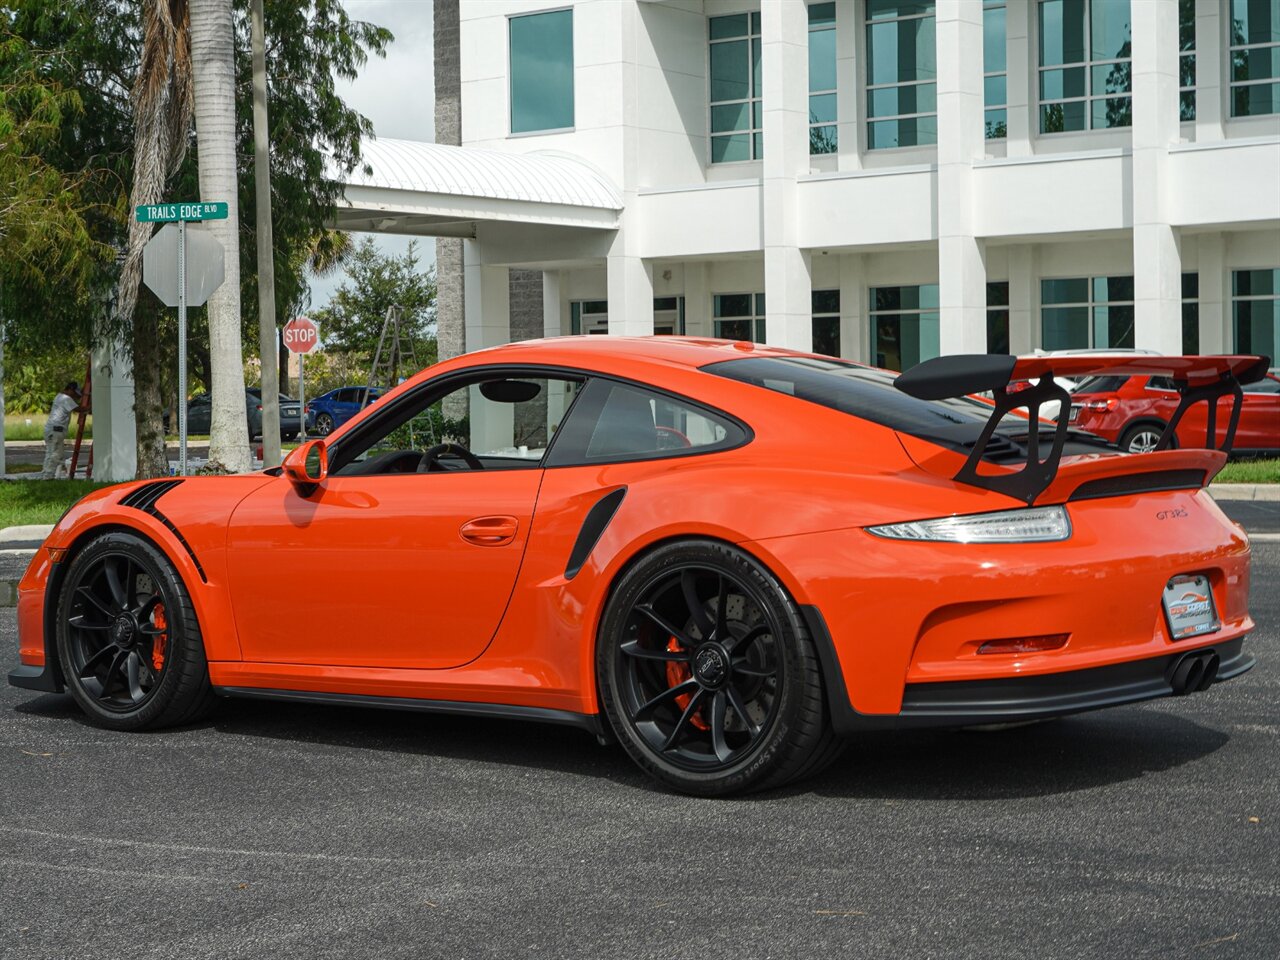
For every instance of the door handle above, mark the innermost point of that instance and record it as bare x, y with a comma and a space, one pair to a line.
490, 531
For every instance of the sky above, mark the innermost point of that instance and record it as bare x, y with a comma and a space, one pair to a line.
397, 93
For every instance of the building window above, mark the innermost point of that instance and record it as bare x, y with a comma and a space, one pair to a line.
668, 315
1190, 313
998, 317
1088, 312
740, 316
1086, 76
1255, 57
994, 70
588, 316
904, 325
1255, 311
1187, 59
822, 78
541, 74
826, 322
902, 74
736, 122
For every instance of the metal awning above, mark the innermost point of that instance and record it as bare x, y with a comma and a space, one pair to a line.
432, 189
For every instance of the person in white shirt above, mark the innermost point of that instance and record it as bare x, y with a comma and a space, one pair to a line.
55, 428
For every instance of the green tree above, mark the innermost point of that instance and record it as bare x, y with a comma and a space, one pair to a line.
352, 322
94, 52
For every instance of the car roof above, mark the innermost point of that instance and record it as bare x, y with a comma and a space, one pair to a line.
691, 352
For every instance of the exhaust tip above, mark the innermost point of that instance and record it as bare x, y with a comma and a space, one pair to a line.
1211, 662
1194, 672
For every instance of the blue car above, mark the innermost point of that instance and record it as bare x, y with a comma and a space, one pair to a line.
331, 410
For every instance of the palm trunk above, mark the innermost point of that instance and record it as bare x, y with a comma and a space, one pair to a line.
162, 120
148, 398
213, 60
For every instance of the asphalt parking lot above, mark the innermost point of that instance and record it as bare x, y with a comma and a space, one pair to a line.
297, 831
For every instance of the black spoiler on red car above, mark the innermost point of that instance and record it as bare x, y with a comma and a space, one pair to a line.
1197, 379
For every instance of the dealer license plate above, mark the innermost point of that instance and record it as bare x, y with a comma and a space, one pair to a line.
1188, 607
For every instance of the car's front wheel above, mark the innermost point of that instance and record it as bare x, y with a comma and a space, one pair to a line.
128, 639
708, 675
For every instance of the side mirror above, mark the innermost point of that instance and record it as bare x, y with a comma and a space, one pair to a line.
307, 466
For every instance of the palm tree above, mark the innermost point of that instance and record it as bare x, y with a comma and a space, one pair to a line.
213, 59
162, 102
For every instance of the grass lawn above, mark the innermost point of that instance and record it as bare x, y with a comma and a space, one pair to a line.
1250, 471
39, 501
30, 426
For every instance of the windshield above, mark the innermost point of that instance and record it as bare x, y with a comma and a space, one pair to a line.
868, 393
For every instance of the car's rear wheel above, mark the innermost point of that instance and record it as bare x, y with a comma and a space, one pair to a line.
128, 639
708, 675
1141, 438
324, 424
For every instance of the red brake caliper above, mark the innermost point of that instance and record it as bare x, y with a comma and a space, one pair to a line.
161, 639
678, 673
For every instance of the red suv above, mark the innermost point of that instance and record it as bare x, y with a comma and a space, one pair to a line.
1133, 411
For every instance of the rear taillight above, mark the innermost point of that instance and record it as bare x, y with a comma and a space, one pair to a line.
259, 407
1102, 406
1054, 641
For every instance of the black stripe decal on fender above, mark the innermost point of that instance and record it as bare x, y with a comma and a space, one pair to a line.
593, 527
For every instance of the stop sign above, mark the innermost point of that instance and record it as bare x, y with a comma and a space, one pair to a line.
301, 335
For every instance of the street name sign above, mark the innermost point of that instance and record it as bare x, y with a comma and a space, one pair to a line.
301, 335
167, 212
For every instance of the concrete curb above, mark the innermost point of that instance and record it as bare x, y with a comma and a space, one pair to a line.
1245, 491
30, 531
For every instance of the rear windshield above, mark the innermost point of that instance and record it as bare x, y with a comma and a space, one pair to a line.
866, 393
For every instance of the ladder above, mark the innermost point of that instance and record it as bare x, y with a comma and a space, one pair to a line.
396, 351
86, 404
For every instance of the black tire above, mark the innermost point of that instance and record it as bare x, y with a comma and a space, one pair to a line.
1141, 437
290, 437
128, 640
708, 675
324, 424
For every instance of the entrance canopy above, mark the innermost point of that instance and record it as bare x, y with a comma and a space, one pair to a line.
432, 189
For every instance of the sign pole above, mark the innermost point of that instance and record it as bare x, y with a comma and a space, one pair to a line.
302, 399
182, 348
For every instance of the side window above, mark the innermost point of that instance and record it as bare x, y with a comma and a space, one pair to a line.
617, 421
1162, 383
347, 395
499, 422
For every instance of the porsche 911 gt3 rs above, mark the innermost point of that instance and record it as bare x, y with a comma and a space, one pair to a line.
728, 557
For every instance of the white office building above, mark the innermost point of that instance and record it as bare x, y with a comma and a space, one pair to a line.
885, 180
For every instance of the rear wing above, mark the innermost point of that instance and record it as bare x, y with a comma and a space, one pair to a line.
1198, 379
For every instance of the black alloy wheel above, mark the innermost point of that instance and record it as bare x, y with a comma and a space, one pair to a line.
708, 675
128, 641
324, 424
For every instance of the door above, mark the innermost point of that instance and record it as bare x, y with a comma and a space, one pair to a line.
406, 555
1260, 416
198, 414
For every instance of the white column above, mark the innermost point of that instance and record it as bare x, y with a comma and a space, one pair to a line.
115, 448
1024, 300
697, 300
1210, 97
962, 273
1215, 295
552, 308
788, 288
630, 292
855, 332
486, 300
849, 129
1021, 79
1157, 261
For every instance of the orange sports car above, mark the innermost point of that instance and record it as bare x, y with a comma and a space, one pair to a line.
728, 557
